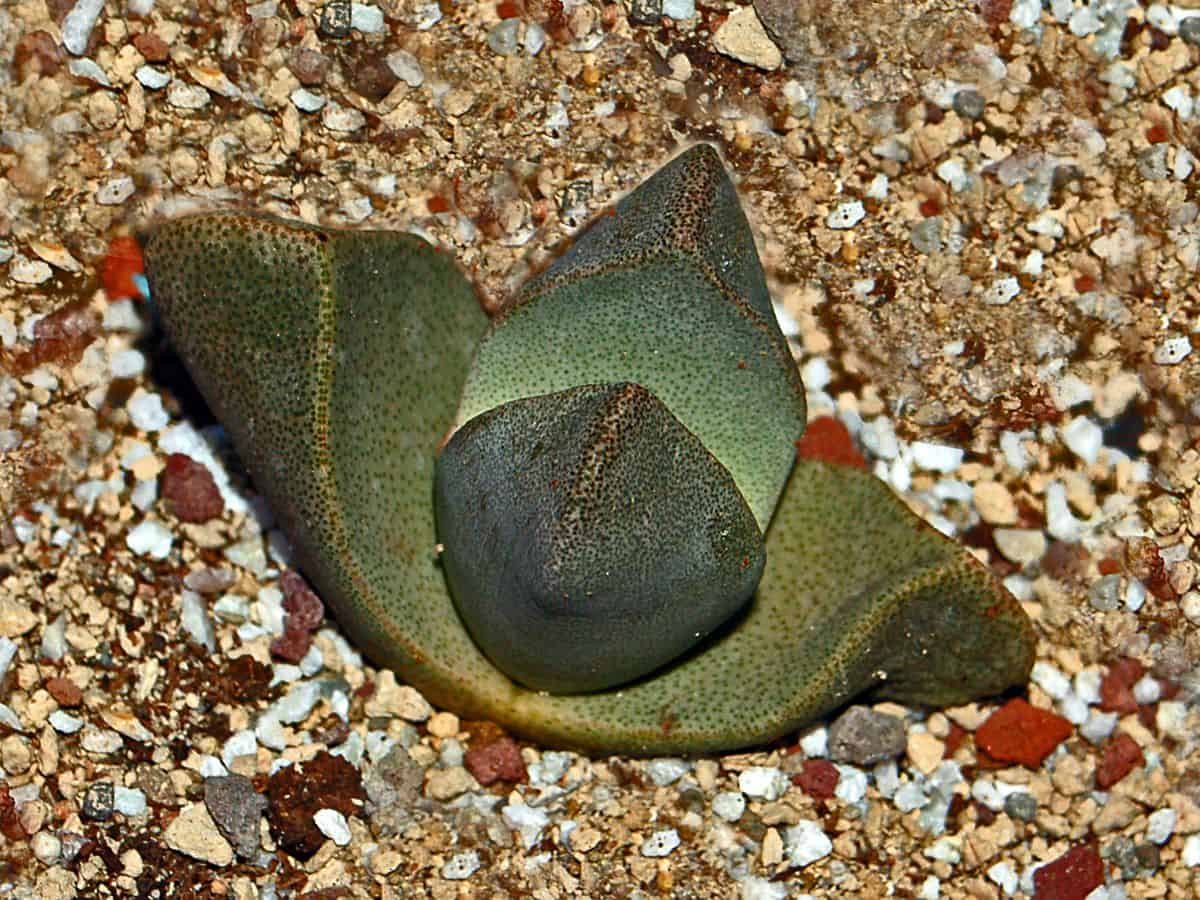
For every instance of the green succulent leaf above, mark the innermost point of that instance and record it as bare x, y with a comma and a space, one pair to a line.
590, 538
335, 360
667, 292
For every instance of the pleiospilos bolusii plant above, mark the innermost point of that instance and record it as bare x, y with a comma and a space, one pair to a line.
594, 531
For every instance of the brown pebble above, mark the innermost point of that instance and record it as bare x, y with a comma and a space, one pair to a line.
309, 66
369, 75
152, 47
1119, 758
65, 691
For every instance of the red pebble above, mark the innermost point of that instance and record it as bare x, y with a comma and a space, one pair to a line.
124, 260
498, 760
1116, 688
1072, 876
1120, 756
818, 778
292, 644
65, 691
304, 608
1020, 733
828, 440
190, 489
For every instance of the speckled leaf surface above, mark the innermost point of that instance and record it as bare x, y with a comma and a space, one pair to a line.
666, 292
589, 537
334, 359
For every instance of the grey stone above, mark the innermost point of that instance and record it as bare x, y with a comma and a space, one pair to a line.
1189, 30
864, 737
393, 787
645, 12
969, 104
236, 808
98, 802
1021, 806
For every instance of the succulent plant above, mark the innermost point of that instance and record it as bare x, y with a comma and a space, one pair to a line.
595, 532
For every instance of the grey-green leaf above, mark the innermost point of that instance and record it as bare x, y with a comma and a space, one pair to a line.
666, 292
335, 359
589, 537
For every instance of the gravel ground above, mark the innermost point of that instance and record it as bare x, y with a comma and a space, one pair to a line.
980, 226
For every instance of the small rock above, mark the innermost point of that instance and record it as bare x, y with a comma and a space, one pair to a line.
342, 119
1023, 546
152, 47
98, 802
1173, 350
333, 825
1001, 291
1021, 805
1189, 30
845, 215
1072, 876
189, 487
150, 538
925, 751
818, 778
406, 67
194, 833
397, 701
504, 38
645, 12
446, 784
528, 821
827, 438
15, 617
743, 37
236, 809
498, 760
461, 866
763, 782
151, 78
1084, 438
665, 772
1116, 687
393, 787
661, 843
1020, 733
36, 53
806, 842
309, 66
1161, 825
936, 457
77, 26
1121, 755
729, 805
969, 104
864, 737
995, 503
29, 271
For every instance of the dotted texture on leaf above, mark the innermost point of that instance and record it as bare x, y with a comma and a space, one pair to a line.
589, 537
667, 292
334, 359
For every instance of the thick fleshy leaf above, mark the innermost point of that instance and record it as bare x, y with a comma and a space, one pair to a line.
589, 537
334, 360
667, 292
